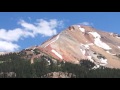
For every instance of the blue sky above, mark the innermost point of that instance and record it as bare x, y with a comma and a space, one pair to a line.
19, 30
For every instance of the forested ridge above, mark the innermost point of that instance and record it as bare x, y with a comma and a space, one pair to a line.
13, 66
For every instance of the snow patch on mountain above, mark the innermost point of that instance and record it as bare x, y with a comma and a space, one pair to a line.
84, 47
87, 46
95, 34
96, 66
110, 53
90, 58
111, 33
90, 44
48, 62
57, 54
83, 51
103, 62
101, 44
98, 42
119, 47
81, 29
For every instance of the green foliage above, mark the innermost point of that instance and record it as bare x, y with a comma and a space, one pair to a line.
86, 64
13, 63
22, 68
36, 51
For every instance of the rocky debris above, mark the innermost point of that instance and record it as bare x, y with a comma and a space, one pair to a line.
71, 28
7, 74
32, 53
59, 75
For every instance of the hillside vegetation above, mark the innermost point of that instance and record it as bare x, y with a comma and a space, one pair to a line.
13, 66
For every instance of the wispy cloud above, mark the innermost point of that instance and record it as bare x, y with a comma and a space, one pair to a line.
43, 27
87, 23
40, 27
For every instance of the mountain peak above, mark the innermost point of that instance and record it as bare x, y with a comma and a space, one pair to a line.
79, 42
84, 42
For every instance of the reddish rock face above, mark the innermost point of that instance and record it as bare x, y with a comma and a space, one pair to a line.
84, 42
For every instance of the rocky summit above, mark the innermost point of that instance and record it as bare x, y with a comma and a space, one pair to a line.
84, 42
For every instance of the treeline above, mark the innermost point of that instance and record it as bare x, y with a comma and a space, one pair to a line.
13, 66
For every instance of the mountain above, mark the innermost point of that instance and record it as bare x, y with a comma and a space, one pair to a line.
79, 51
84, 42
78, 42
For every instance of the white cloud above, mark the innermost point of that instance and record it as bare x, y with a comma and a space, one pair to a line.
87, 23
41, 27
11, 35
27, 26
8, 46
